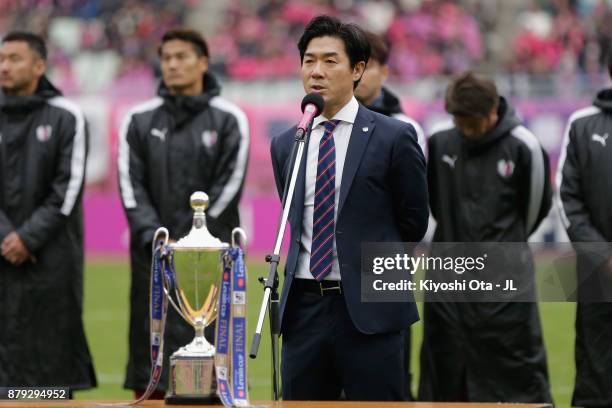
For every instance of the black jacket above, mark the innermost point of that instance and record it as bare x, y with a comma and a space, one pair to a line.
171, 147
43, 150
389, 105
584, 181
496, 189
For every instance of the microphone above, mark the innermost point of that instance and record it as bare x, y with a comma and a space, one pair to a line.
312, 106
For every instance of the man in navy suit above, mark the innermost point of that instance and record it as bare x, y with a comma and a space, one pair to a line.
362, 179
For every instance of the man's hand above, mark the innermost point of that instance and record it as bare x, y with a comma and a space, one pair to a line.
14, 250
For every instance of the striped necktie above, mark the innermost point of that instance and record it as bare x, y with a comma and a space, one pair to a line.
321, 255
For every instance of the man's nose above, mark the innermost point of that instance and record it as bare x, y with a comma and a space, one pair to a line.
173, 63
317, 70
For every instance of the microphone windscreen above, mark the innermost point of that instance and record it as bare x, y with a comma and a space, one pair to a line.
316, 99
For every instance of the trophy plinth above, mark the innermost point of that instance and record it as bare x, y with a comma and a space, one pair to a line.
192, 380
197, 265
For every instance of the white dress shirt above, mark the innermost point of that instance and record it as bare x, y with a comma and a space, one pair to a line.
342, 135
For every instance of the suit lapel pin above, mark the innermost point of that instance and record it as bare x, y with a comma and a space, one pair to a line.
365, 129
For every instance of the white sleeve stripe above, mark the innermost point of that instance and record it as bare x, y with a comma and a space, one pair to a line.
419, 130
233, 184
538, 173
588, 111
123, 159
78, 156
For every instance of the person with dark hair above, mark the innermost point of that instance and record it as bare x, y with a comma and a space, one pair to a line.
489, 183
185, 140
43, 139
372, 93
34, 41
351, 189
187, 35
584, 186
375, 96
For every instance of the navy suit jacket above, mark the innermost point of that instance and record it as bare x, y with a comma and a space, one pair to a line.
383, 198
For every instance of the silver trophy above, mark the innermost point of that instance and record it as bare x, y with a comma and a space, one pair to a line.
197, 276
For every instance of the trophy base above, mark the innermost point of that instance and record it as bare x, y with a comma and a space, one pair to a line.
192, 400
192, 380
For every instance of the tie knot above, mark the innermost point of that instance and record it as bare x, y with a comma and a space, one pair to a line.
330, 125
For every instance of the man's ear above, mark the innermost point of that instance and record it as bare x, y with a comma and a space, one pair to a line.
204, 63
358, 70
385, 72
40, 67
493, 115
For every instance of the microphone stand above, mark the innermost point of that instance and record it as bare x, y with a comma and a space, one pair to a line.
270, 298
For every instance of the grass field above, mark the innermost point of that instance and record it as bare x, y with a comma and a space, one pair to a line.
106, 322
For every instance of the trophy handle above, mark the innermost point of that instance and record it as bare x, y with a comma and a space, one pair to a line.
242, 237
161, 233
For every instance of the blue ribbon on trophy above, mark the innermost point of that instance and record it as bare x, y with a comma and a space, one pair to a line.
208, 278
161, 283
232, 319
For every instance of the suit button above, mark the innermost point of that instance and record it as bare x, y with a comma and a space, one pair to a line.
297, 240
338, 232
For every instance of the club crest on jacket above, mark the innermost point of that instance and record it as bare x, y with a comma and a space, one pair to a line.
43, 133
505, 168
209, 138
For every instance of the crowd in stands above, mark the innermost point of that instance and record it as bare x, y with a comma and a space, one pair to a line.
96, 43
562, 36
428, 37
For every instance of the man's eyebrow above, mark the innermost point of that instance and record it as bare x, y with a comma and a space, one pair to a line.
325, 54
171, 53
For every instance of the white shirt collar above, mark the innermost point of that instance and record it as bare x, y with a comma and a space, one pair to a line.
348, 113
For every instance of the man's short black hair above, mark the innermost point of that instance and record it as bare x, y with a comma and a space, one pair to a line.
380, 48
471, 95
34, 41
186, 34
354, 38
